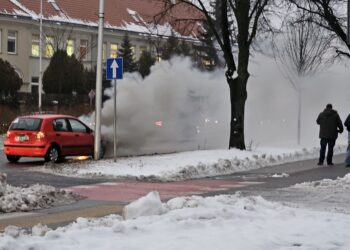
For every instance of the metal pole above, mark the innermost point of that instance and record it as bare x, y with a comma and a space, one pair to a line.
40, 55
299, 115
98, 97
115, 122
348, 23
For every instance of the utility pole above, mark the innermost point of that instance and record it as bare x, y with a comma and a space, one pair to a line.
98, 97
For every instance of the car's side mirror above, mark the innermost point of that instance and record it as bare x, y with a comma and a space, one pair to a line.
89, 130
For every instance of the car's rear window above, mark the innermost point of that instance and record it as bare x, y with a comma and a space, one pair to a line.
31, 124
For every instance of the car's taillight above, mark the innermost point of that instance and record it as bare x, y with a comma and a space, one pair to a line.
40, 135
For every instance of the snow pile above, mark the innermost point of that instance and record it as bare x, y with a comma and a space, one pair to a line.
326, 184
34, 197
185, 165
2, 139
220, 222
3, 183
283, 175
325, 195
145, 206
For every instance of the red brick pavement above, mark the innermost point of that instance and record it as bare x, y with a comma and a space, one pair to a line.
130, 190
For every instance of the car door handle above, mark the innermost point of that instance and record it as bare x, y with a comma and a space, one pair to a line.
58, 134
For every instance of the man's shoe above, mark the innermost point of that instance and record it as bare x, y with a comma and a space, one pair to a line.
320, 163
330, 164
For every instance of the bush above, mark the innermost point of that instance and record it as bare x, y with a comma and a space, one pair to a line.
10, 82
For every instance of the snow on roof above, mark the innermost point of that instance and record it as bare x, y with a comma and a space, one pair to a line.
132, 15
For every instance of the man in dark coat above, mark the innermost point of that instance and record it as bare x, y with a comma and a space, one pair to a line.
347, 125
330, 125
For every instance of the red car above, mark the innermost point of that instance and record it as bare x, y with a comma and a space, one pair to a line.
48, 136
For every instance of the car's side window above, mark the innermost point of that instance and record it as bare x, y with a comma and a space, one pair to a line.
60, 125
77, 126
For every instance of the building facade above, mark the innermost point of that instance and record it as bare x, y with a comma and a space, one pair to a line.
72, 26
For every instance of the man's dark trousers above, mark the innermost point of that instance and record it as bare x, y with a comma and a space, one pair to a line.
331, 143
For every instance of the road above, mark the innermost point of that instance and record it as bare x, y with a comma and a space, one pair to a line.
106, 196
18, 174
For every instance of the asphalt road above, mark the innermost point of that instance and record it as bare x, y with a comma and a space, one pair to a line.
302, 171
18, 174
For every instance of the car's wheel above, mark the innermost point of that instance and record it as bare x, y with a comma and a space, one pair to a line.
53, 154
13, 158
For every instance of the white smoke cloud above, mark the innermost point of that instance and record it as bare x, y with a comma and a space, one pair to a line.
190, 108
194, 111
271, 111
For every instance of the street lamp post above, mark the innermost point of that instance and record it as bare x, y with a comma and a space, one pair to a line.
98, 97
349, 22
40, 54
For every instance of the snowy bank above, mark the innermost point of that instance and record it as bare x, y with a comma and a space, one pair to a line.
185, 165
324, 195
24, 199
220, 222
2, 139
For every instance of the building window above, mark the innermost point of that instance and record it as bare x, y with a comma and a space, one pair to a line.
83, 49
133, 50
12, 42
70, 47
35, 45
49, 41
114, 50
143, 49
34, 85
104, 51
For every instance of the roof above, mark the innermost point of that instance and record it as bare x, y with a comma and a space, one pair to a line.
47, 116
131, 15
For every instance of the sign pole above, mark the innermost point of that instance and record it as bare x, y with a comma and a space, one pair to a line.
115, 121
114, 71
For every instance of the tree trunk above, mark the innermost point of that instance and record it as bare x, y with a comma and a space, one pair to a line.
238, 97
238, 85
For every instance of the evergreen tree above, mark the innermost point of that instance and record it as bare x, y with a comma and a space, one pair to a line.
206, 55
129, 64
174, 46
170, 48
90, 76
64, 75
145, 63
10, 82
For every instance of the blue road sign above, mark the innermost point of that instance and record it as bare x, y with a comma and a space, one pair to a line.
114, 68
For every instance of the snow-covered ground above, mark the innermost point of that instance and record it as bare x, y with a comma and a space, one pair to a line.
2, 139
15, 199
220, 222
326, 195
185, 165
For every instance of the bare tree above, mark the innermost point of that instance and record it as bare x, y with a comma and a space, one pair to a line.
240, 21
300, 51
330, 15
56, 37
